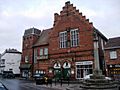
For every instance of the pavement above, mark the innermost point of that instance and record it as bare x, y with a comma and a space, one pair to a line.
65, 85
58, 86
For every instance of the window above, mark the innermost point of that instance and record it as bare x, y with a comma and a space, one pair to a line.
35, 55
113, 54
63, 39
74, 37
3, 61
45, 51
41, 52
26, 59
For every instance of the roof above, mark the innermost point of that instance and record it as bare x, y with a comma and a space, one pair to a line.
12, 51
32, 31
99, 33
44, 38
113, 43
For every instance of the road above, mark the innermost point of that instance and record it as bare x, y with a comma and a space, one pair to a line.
16, 84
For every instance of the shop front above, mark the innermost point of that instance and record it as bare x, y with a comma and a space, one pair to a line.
114, 71
25, 70
83, 68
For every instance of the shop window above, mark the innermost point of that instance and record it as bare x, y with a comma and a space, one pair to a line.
40, 72
113, 54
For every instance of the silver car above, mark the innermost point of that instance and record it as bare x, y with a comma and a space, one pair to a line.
2, 86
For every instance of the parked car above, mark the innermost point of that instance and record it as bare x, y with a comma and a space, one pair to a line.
8, 74
40, 78
3, 87
88, 77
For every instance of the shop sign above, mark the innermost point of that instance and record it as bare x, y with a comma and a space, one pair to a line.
116, 65
84, 63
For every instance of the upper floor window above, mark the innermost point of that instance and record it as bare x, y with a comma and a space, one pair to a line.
26, 59
63, 39
35, 55
41, 52
113, 54
3, 61
45, 51
74, 37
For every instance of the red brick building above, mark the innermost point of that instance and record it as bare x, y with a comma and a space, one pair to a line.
29, 39
67, 49
112, 57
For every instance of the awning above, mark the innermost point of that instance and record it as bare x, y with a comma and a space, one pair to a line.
25, 66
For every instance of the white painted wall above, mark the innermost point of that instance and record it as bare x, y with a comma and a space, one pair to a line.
12, 61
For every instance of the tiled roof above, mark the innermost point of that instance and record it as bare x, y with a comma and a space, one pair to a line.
113, 43
44, 38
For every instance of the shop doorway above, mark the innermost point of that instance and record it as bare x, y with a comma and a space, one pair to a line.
66, 70
57, 71
83, 69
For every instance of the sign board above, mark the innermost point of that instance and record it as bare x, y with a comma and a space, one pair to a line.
84, 63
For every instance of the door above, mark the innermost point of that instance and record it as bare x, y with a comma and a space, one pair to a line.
57, 74
66, 73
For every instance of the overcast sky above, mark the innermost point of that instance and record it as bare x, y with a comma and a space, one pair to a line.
18, 15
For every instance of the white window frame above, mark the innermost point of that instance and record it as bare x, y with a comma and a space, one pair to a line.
113, 54
63, 39
74, 37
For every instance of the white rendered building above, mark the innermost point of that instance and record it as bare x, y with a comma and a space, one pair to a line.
10, 61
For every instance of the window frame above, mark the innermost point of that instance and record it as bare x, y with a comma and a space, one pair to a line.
41, 52
74, 37
45, 51
63, 39
113, 54
26, 59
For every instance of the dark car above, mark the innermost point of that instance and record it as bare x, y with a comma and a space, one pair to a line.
2, 86
8, 74
39, 78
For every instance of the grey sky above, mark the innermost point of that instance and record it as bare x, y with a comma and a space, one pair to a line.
18, 15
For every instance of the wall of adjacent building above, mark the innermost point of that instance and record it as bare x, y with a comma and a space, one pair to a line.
12, 61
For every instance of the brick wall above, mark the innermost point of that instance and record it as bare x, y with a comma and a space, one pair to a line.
114, 61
